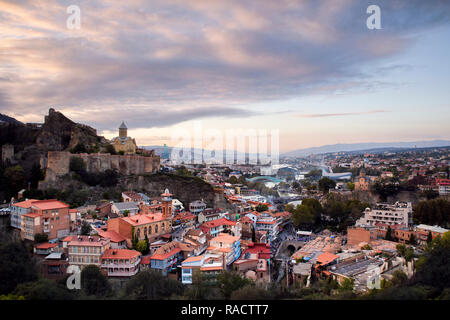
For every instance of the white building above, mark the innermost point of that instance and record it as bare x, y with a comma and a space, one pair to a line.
399, 213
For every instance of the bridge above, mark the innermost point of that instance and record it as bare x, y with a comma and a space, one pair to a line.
265, 179
288, 247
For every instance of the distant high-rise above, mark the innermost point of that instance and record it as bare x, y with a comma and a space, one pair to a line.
165, 154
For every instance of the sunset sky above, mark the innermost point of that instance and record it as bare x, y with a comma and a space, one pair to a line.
311, 69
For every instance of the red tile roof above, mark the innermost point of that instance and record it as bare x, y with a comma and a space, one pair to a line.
326, 258
120, 254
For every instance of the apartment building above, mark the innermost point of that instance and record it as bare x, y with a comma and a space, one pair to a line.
120, 262
443, 186
399, 213
86, 250
208, 264
167, 257
227, 245
50, 217
17, 210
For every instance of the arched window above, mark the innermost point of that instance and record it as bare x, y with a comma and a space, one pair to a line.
145, 231
150, 230
138, 233
163, 227
156, 229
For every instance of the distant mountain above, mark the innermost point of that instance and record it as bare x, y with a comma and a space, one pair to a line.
366, 146
6, 119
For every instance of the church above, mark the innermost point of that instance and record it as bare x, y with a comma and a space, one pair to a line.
123, 142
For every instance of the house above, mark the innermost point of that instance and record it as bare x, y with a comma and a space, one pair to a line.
217, 226
227, 245
184, 219
253, 263
116, 240
120, 262
17, 210
50, 217
166, 258
392, 214
54, 266
44, 248
208, 264
130, 196
86, 250
104, 209
196, 207
141, 225
125, 209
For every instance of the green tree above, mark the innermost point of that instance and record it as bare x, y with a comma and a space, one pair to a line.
229, 281
85, 229
389, 234
40, 237
251, 292
151, 285
429, 237
110, 149
16, 177
261, 207
93, 282
77, 165
142, 246
350, 186
16, 266
43, 289
325, 184
79, 148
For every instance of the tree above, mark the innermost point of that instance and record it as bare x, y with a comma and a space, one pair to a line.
261, 207
347, 285
429, 237
43, 289
389, 234
142, 246
229, 281
398, 278
36, 175
40, 237
85, 229
233, 180
202, 288
93, 282
325, 184
412, 239
77, 165
250, 292
151, 285
16, 177
110, 149
79, 148
350, 186
16, 266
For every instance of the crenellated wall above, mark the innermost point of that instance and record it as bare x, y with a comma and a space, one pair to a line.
58, 163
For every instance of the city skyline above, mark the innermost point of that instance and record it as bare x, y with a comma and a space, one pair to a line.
313, 70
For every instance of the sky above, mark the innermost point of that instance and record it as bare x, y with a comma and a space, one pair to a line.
310, 69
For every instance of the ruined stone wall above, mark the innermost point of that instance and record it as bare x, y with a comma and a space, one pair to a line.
7, 153
58, 163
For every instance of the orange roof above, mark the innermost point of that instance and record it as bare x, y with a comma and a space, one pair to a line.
120, 254
49, 204
25, 204
140, 219
166, 255
192, 259
111, 234
46, 245
326, 258
84, 241
224, 237
211, 268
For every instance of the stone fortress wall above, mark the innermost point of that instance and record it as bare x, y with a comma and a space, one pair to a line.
58, 163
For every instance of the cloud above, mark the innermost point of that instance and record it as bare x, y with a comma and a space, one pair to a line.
170, 61
326, 115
